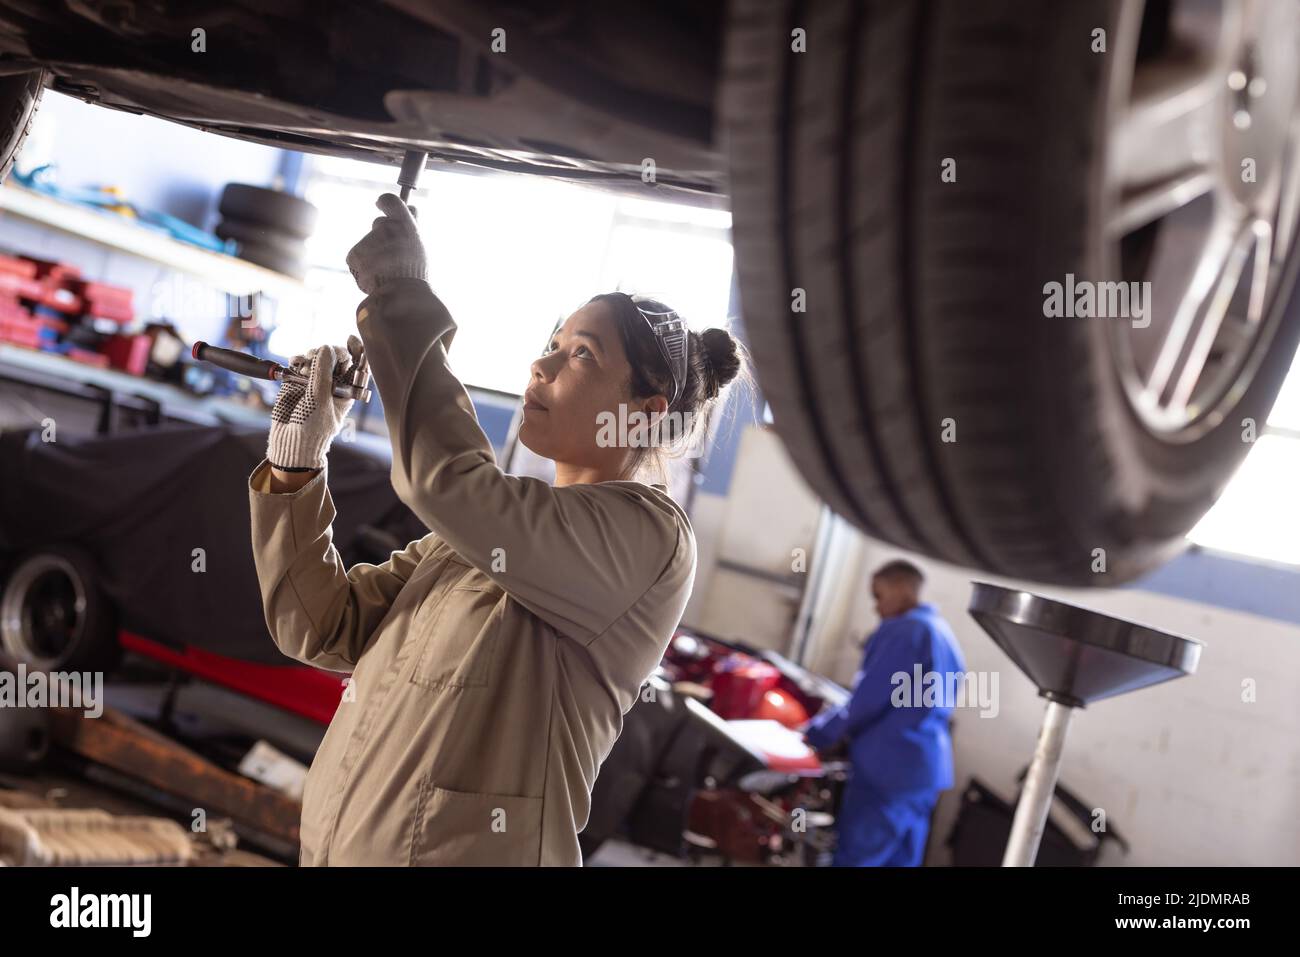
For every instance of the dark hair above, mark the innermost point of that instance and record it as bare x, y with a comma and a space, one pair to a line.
714, 359
899, 570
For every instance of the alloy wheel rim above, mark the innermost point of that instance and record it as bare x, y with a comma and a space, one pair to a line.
1203, 147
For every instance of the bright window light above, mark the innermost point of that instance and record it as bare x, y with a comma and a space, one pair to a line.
510, 254
1258, 514
1286, 410
691, 272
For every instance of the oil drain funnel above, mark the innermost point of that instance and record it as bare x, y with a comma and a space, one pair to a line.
1075, 657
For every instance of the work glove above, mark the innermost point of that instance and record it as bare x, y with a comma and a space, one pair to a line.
391, 250
306, 418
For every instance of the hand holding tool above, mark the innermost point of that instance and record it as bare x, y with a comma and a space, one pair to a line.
391, 250
354, 383
307, 417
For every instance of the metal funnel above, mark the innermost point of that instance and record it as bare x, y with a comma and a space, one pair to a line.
1075, 657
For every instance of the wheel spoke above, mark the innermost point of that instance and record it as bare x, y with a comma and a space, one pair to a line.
1253, 235
1162, 147
1195, 306
1143, 206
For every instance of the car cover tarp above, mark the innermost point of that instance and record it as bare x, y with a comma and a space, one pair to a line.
142, 503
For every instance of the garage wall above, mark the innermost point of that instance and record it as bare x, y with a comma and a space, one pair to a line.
161, 165
746, 588
1187, 771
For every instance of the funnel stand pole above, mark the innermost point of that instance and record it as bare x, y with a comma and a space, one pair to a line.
1040, 786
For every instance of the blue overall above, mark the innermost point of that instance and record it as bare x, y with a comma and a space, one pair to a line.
900, 751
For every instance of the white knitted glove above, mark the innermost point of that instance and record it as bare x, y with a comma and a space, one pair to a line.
306, 418
391, 250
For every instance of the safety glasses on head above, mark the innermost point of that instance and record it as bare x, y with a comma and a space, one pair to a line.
673, 337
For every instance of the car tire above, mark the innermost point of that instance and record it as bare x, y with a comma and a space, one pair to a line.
268, 207
288, 264
53, 614
898, 321
20, 96
244, 232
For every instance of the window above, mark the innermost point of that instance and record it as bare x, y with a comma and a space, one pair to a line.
509, 254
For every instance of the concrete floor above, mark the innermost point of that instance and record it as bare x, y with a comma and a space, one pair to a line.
621, 854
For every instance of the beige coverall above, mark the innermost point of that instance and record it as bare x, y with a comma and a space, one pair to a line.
492, 660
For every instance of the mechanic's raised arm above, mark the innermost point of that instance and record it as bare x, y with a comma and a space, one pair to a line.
578, 556
317, 612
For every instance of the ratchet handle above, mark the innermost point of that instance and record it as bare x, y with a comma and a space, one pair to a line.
239, 362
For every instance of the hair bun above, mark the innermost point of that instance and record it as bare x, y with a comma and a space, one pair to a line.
723, 355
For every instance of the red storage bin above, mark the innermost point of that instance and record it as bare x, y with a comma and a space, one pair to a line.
13, 309
104, 291
104, 301
12, 284
128, 353
21, 331
13, 266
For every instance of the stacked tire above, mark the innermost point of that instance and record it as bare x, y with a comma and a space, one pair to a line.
269, 226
